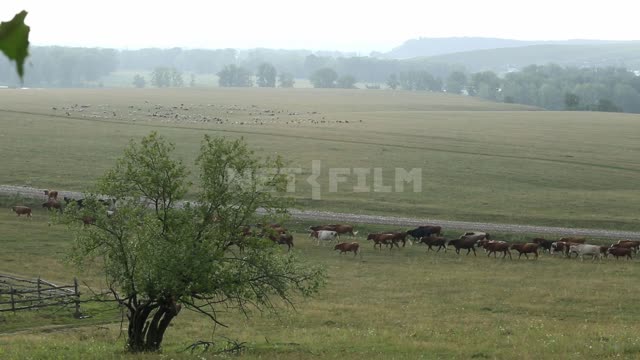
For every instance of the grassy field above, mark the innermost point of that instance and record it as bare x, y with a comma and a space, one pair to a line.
400, 304
479, 161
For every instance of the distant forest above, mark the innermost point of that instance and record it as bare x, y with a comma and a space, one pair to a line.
549, 86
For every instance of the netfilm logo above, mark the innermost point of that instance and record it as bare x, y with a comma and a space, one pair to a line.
363, 180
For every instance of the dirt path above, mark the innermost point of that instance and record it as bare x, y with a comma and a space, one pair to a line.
325, 216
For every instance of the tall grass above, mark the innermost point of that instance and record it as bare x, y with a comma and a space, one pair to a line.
402, 303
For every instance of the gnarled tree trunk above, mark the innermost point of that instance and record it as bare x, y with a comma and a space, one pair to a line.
145, 334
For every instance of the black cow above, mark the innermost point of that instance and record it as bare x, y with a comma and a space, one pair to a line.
426, 230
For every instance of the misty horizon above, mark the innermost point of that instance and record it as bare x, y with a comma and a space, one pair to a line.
354, 26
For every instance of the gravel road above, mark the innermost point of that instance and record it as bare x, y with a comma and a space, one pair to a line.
392, 220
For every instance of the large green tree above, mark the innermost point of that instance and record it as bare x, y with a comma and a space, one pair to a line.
346, 82
392, 81
286, 80
161, 254
324, 78
266, 76
456, 82
234, 76
166, 76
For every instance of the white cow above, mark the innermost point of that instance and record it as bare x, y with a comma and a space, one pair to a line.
325, 235
586, 249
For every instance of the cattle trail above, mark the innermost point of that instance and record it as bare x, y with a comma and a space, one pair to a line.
334, 217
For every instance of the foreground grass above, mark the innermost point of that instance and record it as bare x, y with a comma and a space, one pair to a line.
400, 304
480, 161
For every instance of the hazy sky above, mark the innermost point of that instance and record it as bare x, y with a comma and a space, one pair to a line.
346, 25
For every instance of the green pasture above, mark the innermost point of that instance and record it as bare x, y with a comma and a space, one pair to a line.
390, 304
479, 161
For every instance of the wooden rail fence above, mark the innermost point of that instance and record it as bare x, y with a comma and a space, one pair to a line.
27, 294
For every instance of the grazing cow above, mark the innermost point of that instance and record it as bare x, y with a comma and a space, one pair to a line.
346, 247
544, 244
438, 241
51, 194
379, 239
284, 239
52, 204
527, 248
338, 228
619, 251
425, 230
466, 243
324, 235
573, 239
22, 210
586, 249
497, 246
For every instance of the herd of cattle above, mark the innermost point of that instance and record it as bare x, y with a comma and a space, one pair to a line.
429, 235
52, 203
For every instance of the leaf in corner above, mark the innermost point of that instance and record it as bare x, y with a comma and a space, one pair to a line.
14, 40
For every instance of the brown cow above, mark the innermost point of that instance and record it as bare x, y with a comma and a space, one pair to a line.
51, 194
346, 247
465, 243
379, 239
239, 241
631, 244
272, 232
620, 251
525, 249
22, 210
573, 239
494, 247
52, 204
438, 241
88, 220
398, 237
284, 239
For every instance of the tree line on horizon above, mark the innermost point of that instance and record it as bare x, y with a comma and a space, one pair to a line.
550, 86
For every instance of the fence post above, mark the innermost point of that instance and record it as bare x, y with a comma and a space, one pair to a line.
76, 293
39, 290
13, 304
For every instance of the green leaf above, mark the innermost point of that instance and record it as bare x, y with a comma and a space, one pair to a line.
14, 40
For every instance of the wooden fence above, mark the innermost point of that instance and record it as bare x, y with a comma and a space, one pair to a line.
26, 294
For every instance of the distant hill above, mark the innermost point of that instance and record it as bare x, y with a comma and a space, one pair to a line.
513, 58
439, 46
